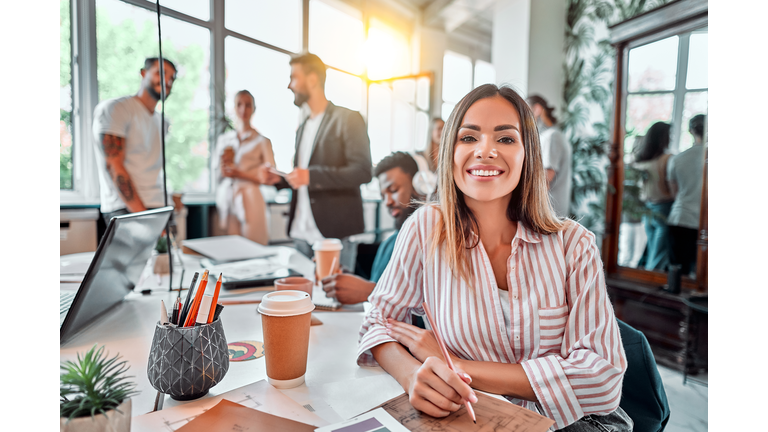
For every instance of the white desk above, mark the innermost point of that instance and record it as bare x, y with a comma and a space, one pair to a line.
332, 372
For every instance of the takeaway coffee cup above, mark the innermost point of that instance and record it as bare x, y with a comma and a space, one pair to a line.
294, 283
325, 252
285, 318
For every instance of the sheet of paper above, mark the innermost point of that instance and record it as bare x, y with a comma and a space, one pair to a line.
228, 416
259, 395
492, 415
228, 248
373, 421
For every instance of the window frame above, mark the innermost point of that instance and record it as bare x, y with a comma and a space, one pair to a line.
473, 62
85, 86
680, 91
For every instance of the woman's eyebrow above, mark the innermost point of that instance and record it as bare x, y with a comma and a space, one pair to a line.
496, 129
505, 127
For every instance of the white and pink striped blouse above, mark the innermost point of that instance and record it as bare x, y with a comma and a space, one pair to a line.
563, 329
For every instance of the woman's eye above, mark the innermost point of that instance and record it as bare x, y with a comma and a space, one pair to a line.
467, 138
506, 140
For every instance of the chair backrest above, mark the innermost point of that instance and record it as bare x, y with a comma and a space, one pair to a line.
642, 394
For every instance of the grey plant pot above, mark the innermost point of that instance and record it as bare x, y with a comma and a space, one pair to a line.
112, 421
186, 362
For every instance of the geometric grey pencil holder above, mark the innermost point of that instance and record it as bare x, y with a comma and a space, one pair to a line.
186, 362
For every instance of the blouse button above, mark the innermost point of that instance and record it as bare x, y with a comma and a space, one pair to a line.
514, 297
517, 337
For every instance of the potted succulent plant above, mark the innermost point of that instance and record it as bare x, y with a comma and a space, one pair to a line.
95, 393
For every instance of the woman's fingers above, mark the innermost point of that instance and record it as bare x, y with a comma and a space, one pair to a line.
437, 390
453, 379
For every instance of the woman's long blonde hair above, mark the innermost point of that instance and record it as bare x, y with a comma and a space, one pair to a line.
530, 200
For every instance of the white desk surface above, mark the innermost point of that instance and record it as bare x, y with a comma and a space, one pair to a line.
333, 375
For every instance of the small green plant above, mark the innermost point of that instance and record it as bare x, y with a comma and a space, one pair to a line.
162, 244
94, 384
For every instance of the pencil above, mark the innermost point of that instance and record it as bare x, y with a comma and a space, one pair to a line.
196, 302
185, 310
237, 302
215, 299
445, 353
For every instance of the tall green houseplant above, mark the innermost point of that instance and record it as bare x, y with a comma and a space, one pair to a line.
590, 62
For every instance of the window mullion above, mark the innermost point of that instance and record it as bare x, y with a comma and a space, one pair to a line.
84, 99
679, 105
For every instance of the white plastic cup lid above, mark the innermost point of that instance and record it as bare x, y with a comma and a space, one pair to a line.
286, 303
329, 244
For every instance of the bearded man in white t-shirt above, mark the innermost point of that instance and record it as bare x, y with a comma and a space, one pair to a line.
129, 151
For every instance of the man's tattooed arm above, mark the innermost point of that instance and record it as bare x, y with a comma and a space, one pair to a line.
114, 152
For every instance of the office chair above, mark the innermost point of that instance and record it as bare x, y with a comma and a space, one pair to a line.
642, 394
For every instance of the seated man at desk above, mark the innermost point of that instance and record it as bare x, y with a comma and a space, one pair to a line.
395, 173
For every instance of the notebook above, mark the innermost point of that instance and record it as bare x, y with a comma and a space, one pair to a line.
321, 301
114, 270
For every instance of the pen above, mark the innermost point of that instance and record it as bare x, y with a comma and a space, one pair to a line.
215, 299
445, 353
175, 313
183, 312
192, 316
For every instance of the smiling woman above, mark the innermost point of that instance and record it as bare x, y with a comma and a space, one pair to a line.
517, 292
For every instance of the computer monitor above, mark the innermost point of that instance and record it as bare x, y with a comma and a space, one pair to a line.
120, 258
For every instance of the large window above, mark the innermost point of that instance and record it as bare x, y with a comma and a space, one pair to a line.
667, 81
276, 116
219, 49
459, 77
125, 36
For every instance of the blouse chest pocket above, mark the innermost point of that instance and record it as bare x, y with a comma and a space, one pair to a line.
552, 328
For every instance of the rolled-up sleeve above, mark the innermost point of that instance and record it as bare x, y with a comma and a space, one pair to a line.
586, 377
397, 294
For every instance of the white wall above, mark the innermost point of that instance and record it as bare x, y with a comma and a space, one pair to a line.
546, 51
510, 45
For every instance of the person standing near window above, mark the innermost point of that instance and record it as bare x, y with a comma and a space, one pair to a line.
129, 149
685, 172
425, 180
555, 154
239, 154
651, 157
332, 160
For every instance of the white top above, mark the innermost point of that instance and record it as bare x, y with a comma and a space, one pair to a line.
687, 171
556, 155
304, 226
128, 118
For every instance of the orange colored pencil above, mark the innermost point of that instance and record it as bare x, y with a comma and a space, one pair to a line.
215, 299
196, 303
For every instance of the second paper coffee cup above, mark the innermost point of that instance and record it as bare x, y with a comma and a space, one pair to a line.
285, 319
325, 252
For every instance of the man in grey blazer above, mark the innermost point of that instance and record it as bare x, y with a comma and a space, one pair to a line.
332, 160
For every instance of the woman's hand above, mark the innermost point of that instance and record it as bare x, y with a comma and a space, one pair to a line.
421, 343
231, 171
436, 390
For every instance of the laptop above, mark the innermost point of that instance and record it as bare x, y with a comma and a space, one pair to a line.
115, 269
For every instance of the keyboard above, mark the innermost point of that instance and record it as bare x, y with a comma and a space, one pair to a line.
67, 297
